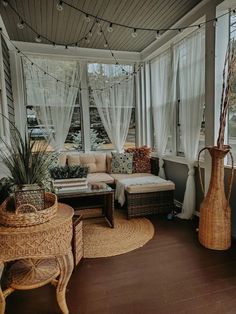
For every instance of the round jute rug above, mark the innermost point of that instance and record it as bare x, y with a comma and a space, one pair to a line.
102, 241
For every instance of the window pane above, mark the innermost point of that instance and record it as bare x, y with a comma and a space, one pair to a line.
74, 139
106, 74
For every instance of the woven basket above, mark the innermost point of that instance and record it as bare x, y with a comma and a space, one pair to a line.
26, 214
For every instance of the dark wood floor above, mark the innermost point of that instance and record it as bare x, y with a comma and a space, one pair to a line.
172, 274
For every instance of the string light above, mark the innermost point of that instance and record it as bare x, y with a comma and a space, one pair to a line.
20, 24
38, 39
90, 34
110, 28
87, 18
87, 40
158, 35
98, 24
98, 21
60, 6
134, 33
99, 32
214, 22
5, 3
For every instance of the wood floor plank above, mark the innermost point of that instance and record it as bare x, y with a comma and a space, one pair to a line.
171, 274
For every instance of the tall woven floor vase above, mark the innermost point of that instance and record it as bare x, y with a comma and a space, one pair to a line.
215, 212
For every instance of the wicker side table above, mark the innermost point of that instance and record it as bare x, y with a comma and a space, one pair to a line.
45, 249
77, 240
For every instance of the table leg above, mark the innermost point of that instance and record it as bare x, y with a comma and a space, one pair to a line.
66, 267
2, 298
109, 208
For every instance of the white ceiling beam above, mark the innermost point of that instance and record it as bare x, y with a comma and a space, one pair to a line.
93, 55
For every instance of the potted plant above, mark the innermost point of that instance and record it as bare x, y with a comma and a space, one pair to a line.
27, 163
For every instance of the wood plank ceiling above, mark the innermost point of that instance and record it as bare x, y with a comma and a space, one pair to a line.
69, 25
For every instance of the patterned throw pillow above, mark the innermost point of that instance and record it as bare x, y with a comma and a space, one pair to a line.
141, 159
121, 163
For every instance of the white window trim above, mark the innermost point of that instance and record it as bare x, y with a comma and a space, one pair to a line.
4, 107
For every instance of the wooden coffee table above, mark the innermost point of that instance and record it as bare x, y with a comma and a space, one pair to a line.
82, 200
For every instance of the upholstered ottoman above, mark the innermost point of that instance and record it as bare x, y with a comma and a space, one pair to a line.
147, 195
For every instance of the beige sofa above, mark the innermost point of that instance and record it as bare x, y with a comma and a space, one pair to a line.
99, 167
144, 198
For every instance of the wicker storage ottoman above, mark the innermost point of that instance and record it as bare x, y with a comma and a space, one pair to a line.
141, 202
77, 240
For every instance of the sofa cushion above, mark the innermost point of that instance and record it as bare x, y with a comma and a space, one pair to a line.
119, 176
62, 159
73, 160
100, 177
150, 187
95, 161
141, 159
121, 163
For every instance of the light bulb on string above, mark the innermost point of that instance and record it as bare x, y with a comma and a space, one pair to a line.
110, 28
134, 34
87, 40
214, 23
105, 44
180, 30
59, 6
90, 34
158, 35
20, 24
98, 24
5, 3
99, 32
38, 39
87, 18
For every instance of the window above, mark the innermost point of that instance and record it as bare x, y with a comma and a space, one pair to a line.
98, 135
45, 103
53, 99
103, 76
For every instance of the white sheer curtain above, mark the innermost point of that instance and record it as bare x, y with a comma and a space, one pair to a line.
192, 92
143, 114
114, 103
52, 100
163, 80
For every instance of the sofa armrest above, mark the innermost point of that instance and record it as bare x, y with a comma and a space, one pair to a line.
154, 166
